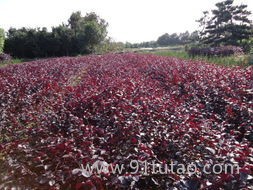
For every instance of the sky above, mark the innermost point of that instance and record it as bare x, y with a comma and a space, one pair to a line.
129, 20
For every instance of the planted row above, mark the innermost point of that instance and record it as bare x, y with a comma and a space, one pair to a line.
216, 51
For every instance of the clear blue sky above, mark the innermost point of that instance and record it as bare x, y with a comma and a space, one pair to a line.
129, 20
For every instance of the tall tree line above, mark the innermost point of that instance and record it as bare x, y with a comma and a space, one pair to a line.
79, 36
168, 40
178, 39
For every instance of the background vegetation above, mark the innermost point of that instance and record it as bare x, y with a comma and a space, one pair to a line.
1, 40
243, 60
80, 36
226, 24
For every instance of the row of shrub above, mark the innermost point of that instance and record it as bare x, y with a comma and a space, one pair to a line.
216, 51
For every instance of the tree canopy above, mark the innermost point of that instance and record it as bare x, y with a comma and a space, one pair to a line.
79, 36
227, 24
177, 39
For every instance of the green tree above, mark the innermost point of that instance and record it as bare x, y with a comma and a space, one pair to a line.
163, 39
177, 39
81, 35
184, 37
2, 38
194, 37
75, 22
63, 40
89, 31
228, 24
14, 44
167, 40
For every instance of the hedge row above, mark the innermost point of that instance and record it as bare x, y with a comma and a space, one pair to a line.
216, 51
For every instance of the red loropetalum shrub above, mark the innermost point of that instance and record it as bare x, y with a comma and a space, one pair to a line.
216, 51
58, 115
5, 57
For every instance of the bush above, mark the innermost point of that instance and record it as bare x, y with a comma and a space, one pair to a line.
1, 40
216, 51
5, 57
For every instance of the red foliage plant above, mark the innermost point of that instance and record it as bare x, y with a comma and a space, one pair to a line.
216, 51
58, 114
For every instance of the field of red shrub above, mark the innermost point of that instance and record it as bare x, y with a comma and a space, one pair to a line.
59, 114
216, 51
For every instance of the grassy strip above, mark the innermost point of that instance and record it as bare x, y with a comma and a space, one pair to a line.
226, 61
14, 61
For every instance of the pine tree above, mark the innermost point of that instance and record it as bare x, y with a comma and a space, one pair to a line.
228, 24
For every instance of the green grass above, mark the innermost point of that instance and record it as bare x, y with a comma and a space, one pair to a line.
178, 54
225, 61
14, 61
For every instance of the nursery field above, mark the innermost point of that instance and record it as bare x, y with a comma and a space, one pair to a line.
125, 111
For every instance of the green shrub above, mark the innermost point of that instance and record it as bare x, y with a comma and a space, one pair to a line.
1, 40
251, 56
